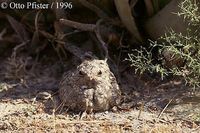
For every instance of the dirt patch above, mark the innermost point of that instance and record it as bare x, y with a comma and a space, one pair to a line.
29, 102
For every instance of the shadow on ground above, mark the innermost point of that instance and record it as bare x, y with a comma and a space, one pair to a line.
35, 94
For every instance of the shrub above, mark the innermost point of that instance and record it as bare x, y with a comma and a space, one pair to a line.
178, 54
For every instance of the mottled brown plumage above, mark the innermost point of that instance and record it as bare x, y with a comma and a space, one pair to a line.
92, 86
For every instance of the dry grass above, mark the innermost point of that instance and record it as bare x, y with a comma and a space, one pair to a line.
34, 108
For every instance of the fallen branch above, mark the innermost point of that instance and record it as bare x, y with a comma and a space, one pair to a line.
90, 28
80, 26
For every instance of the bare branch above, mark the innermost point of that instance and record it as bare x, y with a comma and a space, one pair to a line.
80, 26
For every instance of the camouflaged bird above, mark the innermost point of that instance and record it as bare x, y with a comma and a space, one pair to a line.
90, 87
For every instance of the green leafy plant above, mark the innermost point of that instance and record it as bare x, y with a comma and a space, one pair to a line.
178, 54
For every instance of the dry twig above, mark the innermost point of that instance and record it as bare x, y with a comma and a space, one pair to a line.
3, 32
90, 28
80, 26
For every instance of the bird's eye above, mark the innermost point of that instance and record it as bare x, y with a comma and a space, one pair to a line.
81, 73
99, 72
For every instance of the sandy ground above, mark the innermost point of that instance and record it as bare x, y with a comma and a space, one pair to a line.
29, 103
